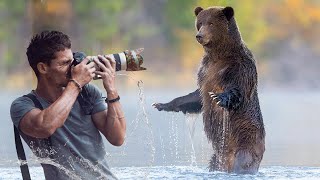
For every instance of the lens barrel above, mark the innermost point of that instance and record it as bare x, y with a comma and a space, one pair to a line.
129, 60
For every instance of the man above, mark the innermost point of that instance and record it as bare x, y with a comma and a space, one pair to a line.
76, 148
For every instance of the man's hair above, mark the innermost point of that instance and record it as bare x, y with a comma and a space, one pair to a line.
43, 46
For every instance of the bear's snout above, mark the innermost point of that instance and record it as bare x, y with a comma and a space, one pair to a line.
203, 40
203, 36
199, 37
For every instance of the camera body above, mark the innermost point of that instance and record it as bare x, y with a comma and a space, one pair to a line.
129, 60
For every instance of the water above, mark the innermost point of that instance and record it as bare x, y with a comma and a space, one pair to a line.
186, 172
163, 145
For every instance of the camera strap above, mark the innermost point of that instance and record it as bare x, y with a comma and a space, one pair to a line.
21, 155
19, 147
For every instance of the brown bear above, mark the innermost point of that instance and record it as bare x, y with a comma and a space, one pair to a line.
227, 94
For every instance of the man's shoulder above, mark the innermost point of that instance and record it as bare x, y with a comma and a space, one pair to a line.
23, 100
19, 107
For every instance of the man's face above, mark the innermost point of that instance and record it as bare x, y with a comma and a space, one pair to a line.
59, 68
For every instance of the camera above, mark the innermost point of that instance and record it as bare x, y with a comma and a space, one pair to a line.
129, 60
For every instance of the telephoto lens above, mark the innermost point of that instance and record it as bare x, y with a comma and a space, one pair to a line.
129, 60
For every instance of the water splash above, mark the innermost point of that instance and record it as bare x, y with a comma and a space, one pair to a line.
137, 121
193, 155
176, 141
172, 137
203, 136
72, 175
162, 148
146, 120
191, 120
224, 128
71, 160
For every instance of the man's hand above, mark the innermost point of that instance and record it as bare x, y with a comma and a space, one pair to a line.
107, 72
83, 73
110, 122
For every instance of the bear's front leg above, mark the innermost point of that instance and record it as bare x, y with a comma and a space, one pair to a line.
230, 99
190, 103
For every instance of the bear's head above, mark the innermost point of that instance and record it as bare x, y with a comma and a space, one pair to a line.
215, 25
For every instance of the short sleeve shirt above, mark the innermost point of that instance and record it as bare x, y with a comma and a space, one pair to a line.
77, 150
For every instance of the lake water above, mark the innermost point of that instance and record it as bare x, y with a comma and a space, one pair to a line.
186, 172
163, 145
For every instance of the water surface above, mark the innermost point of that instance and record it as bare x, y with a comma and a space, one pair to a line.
186, 172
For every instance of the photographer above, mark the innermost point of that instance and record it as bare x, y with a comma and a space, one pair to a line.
65, 139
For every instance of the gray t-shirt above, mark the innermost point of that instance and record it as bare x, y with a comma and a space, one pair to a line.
77, 147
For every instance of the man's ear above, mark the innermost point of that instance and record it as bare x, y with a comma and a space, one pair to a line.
228, 12
197, 10
42, 68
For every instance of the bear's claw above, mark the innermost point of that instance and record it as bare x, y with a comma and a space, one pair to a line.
213, 96
159, 106
230, 99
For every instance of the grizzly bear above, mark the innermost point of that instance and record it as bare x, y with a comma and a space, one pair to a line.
226, 95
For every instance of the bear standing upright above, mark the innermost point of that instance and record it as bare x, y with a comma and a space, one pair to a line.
227, 94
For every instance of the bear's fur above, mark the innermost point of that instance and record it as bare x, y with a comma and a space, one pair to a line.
227, 94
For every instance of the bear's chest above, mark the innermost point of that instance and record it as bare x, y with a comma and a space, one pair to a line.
212, 80
211, 75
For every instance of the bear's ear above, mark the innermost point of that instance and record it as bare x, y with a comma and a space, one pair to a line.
228, 12
197, 10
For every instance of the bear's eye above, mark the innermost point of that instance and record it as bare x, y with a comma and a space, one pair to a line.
199, 25
211, 24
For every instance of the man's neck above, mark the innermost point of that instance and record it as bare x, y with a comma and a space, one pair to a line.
48, 91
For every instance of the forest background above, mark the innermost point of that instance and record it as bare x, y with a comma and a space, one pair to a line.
282, 34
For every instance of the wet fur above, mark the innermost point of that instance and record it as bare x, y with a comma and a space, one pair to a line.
228, 70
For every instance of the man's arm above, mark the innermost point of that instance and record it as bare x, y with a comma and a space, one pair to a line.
111, 122
43, 123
